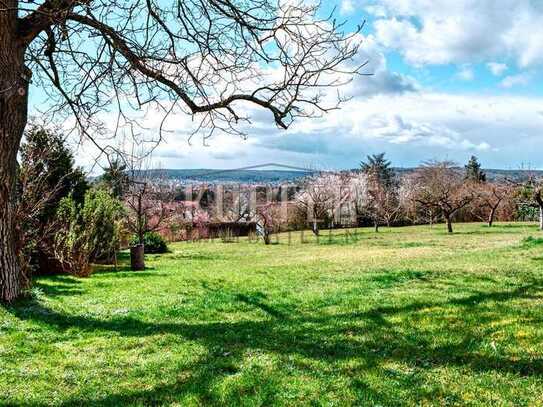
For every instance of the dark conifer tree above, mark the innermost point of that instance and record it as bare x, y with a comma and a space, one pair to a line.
474, 171
378, 166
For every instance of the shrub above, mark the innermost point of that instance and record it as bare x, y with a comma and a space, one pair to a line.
102, 213
153, 242
86, 233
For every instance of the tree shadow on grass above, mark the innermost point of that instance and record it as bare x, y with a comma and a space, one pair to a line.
257, 300
369, 337
57, 285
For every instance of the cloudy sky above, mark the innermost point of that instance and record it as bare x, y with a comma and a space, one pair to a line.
450, 79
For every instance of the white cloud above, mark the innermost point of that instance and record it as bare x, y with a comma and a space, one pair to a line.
460, 31
380, 80
410, 127
521, 79
347, 7
466, 73
415, 127
497, 69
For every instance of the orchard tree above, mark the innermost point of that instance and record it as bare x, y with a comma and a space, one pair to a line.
384, 205
149, 201
211, 59
322, 197
316, 201
268, 220
538, 198
440, 186
359, 195
531, 194
490, 196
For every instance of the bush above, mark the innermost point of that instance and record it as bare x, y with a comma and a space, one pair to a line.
153, 242
103, 213
86, 233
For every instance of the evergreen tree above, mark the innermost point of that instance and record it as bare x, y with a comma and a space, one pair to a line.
56, 168
379, 167
474, 171
115, 177
46, 175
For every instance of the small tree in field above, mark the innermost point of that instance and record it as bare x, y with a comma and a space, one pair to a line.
410, 208
268, 220
534, 189
149, 205
359, 195
538, 196
440, 186
490, 196
321, 198
384, 204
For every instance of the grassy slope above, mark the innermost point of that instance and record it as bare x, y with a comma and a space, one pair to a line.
408, 316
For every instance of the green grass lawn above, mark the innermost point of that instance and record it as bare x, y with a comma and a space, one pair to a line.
408, 316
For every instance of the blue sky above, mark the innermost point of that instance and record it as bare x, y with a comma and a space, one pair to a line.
450, 79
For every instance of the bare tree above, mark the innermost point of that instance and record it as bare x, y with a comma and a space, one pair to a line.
538, 198
321, 199
207, 58
441, 186
406, 193
490, 196
268, 220
529, 193
150, 204
359, 195
384, 203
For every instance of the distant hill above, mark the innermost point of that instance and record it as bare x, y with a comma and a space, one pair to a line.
250, 176
493, 174
233, 176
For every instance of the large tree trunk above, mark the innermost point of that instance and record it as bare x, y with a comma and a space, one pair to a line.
540, 217
13, 115
137, 257
376, 224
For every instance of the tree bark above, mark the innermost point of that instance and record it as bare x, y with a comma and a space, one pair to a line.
376, 224
491, 217
315, 228
137, 257
449, 224
538, 197
14, 77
